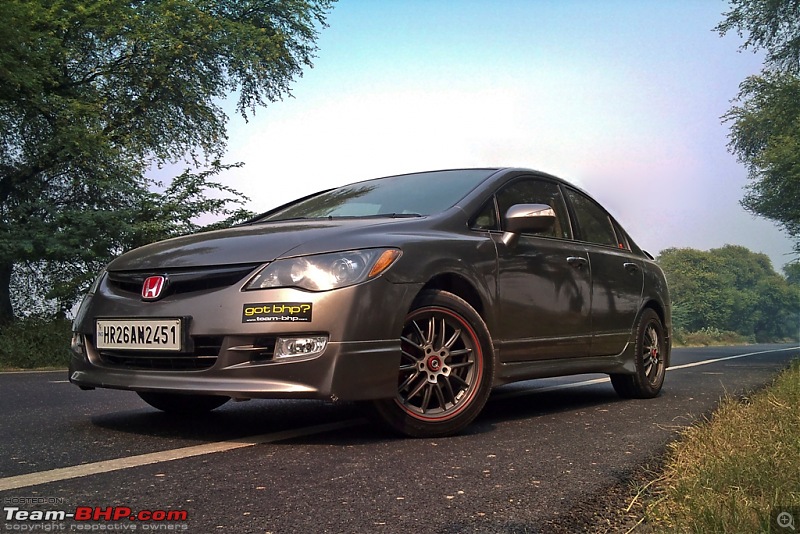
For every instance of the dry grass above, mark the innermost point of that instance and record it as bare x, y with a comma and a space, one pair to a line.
709, 337
732, 472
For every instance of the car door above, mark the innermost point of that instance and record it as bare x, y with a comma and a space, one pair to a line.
617, 276
543, 282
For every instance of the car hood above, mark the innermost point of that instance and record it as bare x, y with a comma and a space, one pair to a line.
257, 243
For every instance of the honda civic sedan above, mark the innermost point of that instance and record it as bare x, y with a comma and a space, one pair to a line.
418, 293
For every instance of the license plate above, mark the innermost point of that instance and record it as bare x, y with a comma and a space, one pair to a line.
139, 334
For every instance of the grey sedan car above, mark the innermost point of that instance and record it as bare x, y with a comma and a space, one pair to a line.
418, 293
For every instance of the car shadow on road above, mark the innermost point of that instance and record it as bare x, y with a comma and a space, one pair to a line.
530, 400
239, 420
235, 420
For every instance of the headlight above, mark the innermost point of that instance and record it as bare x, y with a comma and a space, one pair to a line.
323, 272
96, 283
79, 315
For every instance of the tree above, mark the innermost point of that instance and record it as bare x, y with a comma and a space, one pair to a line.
730, 289
697, 285
771, 25
765, 136
93, 93
765, 118
792, 272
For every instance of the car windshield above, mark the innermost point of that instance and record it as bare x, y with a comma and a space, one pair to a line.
395, 196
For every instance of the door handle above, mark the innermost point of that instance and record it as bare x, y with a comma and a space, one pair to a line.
632, 268
577, 261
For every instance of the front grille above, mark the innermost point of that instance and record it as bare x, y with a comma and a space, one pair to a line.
254, 350
204, 356
263, 349
183, 280
205, 346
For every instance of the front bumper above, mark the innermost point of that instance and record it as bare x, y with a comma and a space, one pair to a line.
360, 361
348, 371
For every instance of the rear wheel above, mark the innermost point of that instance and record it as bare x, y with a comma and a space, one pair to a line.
176, 403
650, 360
446, 368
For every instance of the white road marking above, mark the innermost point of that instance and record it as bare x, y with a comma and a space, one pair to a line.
570, 385
66, 473
715, 360
32, 371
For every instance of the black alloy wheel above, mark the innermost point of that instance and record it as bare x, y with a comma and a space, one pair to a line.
446, 368
650, 360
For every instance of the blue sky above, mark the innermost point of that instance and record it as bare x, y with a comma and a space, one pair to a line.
622, 98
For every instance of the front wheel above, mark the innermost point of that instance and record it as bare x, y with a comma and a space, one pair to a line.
650, 360
446, 368
175, 403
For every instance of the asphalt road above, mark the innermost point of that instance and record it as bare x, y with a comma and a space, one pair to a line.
540, 449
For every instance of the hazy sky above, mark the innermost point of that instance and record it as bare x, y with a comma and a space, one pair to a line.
622, 98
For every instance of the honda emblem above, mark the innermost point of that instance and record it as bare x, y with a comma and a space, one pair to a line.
153, 287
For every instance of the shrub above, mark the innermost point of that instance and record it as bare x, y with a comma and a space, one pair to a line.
35, 342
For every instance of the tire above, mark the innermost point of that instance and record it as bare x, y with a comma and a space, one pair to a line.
176, 403
650, 352
446, 368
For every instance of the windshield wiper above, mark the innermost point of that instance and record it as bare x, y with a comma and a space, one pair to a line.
376, 216
334, 217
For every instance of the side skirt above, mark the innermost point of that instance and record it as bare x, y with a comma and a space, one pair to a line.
621, 363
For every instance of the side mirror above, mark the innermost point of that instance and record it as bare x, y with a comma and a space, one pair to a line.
527, 218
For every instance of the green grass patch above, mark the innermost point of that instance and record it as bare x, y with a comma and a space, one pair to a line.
35, 343
732, 472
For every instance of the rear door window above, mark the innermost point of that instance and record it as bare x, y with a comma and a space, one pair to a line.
594, 224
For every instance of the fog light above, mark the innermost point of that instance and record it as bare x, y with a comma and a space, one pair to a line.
300, 346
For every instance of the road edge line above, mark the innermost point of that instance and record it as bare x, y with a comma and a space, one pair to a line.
106, 466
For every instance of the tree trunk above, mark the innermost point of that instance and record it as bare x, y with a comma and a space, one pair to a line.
6, 310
